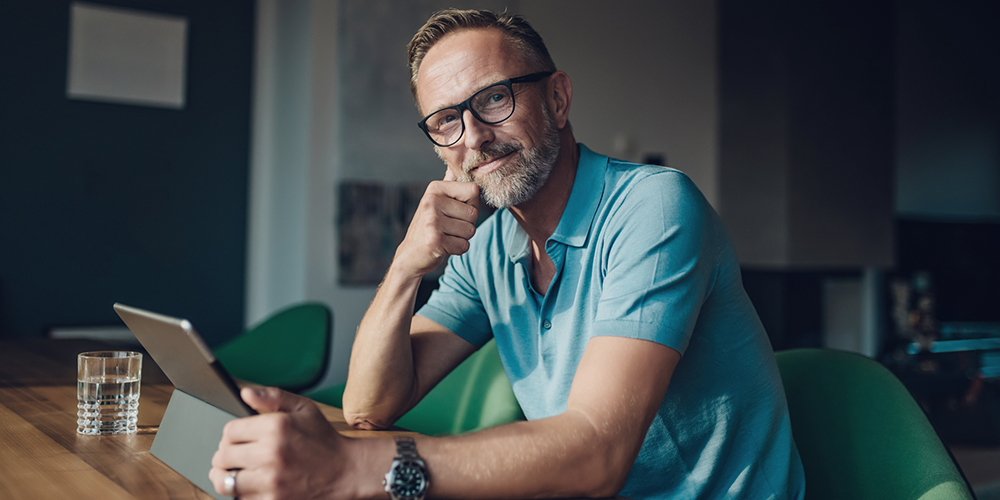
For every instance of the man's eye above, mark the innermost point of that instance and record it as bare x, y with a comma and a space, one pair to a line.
498, 97
443, 121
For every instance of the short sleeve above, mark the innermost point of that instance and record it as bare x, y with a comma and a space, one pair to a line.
456, 304
659, 261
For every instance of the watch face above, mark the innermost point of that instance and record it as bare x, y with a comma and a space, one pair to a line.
408, 480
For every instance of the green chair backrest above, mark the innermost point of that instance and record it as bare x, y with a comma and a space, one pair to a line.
289, 349
859, 432
474, 396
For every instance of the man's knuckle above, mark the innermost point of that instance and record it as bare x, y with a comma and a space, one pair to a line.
217, 458
432, 218
270, 479
276, 425
429, 200
283, 423
435, 239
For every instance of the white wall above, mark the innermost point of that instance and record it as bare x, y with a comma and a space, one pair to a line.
279, 161
332, 103
294, 168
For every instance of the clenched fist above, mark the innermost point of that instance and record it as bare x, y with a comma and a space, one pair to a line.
443, 224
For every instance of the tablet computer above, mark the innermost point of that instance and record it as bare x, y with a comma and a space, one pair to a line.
184, 357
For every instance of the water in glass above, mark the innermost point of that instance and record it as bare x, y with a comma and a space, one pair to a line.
108, 395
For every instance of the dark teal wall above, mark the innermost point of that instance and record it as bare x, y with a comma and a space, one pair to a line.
948, 95
107, 202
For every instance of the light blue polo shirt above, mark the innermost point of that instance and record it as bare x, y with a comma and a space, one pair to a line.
639, 253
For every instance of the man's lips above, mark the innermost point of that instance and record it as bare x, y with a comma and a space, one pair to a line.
490, 165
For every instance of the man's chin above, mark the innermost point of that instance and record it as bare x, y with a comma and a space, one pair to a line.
487, 192
504, 195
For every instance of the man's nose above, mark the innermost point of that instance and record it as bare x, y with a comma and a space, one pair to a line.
477, 134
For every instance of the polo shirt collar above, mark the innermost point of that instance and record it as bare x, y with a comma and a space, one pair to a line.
578, 216
588, 188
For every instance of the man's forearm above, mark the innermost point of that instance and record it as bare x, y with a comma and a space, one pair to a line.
381, 375
565, 456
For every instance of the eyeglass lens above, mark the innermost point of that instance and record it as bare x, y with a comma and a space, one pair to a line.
490, 105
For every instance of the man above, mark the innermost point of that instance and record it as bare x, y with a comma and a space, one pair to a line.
611, 289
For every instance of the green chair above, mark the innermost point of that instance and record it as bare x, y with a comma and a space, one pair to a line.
860, 433
290, 349
474, 396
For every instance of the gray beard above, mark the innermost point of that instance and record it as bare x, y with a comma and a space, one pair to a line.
516, 182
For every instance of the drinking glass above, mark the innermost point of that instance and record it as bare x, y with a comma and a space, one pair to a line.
107, 391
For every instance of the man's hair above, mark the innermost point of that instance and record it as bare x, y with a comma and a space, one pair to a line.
521, 37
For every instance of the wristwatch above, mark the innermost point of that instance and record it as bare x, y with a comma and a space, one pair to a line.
407, 478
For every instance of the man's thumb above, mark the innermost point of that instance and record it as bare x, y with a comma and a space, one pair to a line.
271, 399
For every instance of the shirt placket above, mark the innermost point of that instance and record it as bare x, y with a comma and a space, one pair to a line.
557, 252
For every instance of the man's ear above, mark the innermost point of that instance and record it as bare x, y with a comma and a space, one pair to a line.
560, 96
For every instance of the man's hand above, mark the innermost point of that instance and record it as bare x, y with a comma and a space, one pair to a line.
288, 451
444, 222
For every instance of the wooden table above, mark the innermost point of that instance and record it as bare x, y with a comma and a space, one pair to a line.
42, 456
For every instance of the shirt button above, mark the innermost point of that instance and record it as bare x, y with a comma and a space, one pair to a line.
547, 324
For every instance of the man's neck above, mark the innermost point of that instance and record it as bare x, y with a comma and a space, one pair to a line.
540, 215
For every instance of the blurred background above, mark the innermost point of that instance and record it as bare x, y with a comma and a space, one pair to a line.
851, 147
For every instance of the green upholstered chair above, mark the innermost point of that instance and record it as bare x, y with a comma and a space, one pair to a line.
475, 395
289, 349
860, 433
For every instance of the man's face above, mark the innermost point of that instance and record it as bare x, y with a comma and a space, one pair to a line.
511, 160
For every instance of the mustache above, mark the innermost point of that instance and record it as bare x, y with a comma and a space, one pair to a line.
492, 151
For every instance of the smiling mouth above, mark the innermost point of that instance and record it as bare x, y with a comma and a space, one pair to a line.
490, 164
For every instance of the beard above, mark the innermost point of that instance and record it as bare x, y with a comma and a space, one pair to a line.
516, 182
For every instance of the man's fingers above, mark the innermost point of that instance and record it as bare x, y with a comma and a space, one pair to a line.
238, 432
217, 477
466, 192
265, 400
450, 203
455, 246
247, 481
272, 399
238, 455
457, 228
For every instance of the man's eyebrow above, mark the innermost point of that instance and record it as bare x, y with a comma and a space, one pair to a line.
495, 79
445, 106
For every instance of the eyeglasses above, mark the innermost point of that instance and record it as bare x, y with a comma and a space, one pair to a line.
490, 105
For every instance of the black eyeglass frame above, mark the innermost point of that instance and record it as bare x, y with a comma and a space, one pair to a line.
465, 105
